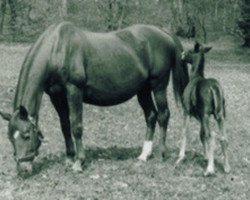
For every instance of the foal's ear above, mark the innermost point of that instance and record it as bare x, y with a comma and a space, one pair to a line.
5, 116
196, 47
183, 55
206, 49
23, 113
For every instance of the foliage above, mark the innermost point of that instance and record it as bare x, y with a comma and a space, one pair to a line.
198, 18
204, 19
244, 23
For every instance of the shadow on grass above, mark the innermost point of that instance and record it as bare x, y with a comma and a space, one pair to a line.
112, 153
92, 154
195, 158
201, 161
46, 162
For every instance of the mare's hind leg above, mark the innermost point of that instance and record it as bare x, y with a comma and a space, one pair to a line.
150, 113
224, 144
74, 97
60, 103
163, 116
210, 138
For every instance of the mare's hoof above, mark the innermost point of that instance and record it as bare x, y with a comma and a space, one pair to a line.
143, 157
77, 166
69, 162
209, 174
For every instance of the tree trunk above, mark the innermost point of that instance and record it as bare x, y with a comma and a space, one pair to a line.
245, 23
13, 25
2, 15
64, 9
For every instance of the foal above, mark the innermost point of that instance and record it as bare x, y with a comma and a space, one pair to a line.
201, 98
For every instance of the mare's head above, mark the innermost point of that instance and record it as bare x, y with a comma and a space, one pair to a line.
196, 57
25, 137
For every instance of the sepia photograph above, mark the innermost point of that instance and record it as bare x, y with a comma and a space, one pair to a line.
124, 99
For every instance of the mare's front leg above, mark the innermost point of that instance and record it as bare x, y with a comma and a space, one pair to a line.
59, 100
75, 96
184, 139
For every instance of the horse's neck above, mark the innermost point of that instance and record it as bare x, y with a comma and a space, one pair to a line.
30, 90
199, 69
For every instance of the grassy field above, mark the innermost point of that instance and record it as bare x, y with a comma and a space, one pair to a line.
113, 138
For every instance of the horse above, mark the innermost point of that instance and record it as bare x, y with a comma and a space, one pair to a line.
202, 98
73, 66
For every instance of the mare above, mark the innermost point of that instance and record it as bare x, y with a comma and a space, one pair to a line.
74, 66
202, 98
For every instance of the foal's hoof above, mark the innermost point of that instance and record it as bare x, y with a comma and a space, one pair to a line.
180, 159
164, 155
227, 169
77, 166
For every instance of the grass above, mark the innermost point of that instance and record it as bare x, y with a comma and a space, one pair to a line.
113, 138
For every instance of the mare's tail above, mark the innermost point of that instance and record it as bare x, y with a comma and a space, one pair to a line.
180, 77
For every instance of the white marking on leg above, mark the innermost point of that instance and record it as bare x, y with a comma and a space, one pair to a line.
146, 150
211, 146
77, 166
16, 134
224, 146
184, 140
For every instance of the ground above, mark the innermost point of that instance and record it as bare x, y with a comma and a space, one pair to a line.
113, 138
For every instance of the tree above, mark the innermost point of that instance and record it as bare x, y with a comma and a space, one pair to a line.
244, 24
114, 12
12, 5
189, 18
64, 9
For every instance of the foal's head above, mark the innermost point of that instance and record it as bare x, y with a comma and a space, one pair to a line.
196, 57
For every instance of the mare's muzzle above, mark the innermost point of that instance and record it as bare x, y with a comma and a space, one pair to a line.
28, 158
25, 169
25, 164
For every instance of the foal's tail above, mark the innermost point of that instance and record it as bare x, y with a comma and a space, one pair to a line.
180, 76
218, 101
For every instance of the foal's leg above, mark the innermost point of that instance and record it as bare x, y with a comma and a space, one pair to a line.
224, 144
150, 113
163, 116
203, 141
184, 139
74, 96
59, 101
210, 138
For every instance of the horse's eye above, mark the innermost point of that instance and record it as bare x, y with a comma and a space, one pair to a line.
26, 136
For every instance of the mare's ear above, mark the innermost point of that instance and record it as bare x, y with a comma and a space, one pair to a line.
23, 113
206, 49
40, 136
196, 47
5, 116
